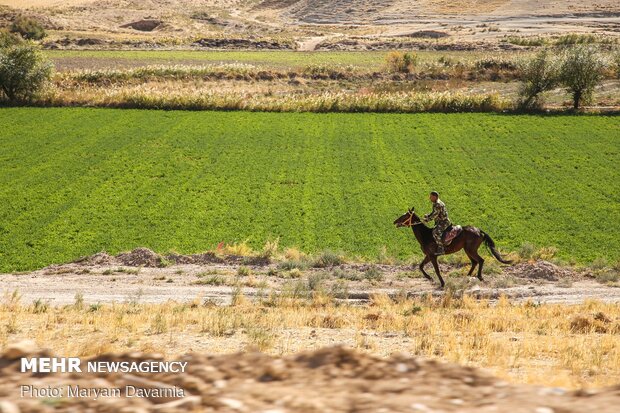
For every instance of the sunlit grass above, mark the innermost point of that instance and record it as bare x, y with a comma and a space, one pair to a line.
552, 345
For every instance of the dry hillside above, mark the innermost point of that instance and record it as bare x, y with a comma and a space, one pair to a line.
308, 22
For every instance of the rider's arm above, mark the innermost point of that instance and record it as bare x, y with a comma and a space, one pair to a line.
433, 214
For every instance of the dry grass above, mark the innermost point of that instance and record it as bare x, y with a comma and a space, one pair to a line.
170, 96
554, 345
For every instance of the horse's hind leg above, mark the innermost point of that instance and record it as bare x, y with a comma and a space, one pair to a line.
436, 266
480, 261
421, 266
473, 264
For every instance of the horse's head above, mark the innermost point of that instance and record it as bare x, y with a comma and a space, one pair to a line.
408, 219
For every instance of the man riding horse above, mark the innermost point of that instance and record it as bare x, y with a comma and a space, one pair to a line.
442, 222
458, 238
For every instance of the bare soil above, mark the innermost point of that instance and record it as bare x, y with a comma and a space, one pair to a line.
141, 275
327, 380
311, 22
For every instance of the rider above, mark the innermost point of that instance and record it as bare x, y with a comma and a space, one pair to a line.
442, 222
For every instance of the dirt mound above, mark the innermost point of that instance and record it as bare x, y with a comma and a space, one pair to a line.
100, 258
327, 380
540, 270
144, 25
427, 34
140, 257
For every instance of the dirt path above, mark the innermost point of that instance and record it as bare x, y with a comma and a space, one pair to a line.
310, 44
109, 279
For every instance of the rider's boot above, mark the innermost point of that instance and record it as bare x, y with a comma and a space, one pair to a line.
440, 250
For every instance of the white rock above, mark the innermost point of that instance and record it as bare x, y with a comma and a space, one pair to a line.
8, 407
233, 403
188, 402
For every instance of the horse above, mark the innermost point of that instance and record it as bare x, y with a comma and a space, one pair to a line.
469, 240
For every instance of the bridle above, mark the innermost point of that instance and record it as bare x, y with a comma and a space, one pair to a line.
409, 221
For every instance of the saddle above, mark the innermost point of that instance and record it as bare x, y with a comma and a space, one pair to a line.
450, 233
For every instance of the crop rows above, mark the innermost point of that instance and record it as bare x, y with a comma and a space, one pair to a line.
77, 181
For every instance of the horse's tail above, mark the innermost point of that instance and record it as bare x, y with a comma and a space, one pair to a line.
491, 246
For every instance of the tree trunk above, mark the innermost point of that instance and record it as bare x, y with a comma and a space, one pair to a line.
576, 99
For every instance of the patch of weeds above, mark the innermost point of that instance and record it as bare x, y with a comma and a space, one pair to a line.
456, 286
212, 280
163, 277
346, 275
158, 325
292, 264
261, 338
607, 277
413, 310
179, 272
244, 271
79, 301
95, 307
491, 267
109, 271
207, 273
407, 275
169, 280
128, 270
270, 249
340, 289
373, 274
39, 306
315, 281
599, 263
527, 250
504, 282
383, 257
327, 259
293, 273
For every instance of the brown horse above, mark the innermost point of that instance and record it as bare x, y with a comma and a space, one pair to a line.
469, 239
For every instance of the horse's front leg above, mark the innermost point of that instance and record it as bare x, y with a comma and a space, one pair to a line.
421, 266
436, 266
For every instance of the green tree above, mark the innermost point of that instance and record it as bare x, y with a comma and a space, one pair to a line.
581, 70
538, 75
23, 71
28, 28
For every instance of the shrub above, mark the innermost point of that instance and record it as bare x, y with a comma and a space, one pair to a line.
328, 259
617, 64
526, 41
373, 274
538, 75
28, 28
23, 71
8, 39
315, 281
401, 62
581, 70
495, 63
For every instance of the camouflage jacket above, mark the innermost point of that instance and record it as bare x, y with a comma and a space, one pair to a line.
439, 214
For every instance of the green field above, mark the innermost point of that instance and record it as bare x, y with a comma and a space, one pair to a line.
370, 60
77, 181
